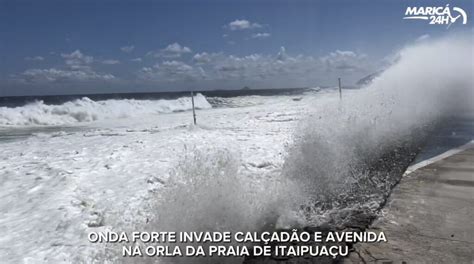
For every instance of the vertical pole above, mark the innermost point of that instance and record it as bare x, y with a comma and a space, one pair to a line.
194, 112
340, 89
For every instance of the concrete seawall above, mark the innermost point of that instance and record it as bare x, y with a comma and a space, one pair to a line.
429, 215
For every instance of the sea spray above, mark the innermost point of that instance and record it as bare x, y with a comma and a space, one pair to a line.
340, 153
208, 192
345, 156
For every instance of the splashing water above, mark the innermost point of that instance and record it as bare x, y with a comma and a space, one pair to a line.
207, 192
346, 155
351, 153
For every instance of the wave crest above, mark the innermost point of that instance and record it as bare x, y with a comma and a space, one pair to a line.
87, 110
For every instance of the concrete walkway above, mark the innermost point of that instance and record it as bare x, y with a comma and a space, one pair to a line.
429, 217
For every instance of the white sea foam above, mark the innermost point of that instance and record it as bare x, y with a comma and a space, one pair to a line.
338, 144
335, 146
53, 187
87, 110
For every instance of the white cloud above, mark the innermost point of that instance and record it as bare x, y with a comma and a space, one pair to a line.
127, 49
282, 69
261, 35
277, 70
204, 57
36, 58
77, 68
242, 25
53, 75
76, 59
172, 71
344, 60
178, 65
174, 50
110, 62
254, 67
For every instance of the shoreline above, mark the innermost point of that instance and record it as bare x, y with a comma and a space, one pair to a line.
361, 222
429, 212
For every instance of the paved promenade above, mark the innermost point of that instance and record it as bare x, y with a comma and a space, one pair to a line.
429, 217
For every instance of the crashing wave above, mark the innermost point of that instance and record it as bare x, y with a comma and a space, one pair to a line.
87, 110
345, 157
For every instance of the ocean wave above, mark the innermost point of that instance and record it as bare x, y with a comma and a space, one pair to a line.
344, 159
87, 110
349, 153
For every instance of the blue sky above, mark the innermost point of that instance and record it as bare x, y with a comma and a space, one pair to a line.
70, 47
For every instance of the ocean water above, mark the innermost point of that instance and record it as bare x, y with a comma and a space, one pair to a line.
252, 162
60, 182
15, 101
24, 116
72, 113
8, 134
454, 132
158, 172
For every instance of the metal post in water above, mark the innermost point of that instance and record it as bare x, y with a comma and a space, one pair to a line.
340, 88
194, 112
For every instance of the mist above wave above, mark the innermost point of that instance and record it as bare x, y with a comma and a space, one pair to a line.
87, 110
346, 154
350, 153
